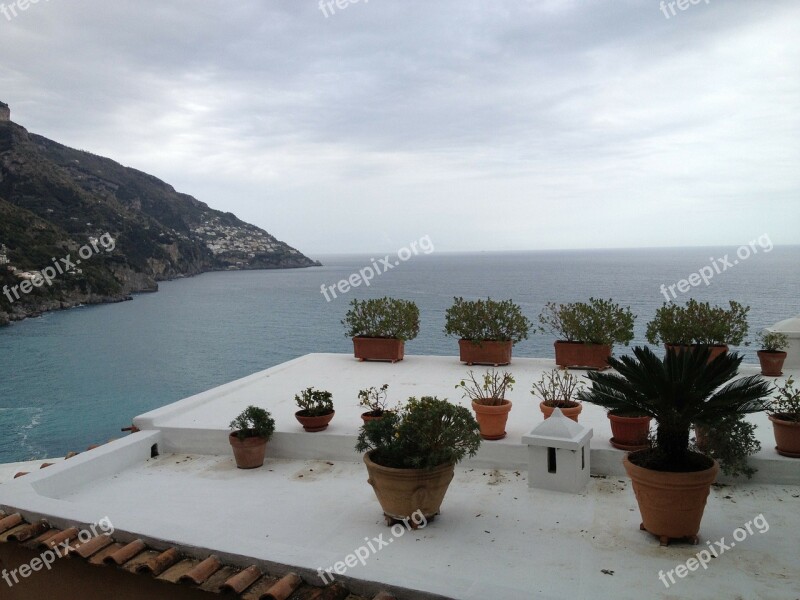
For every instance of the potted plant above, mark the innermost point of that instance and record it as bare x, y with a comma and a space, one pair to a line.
373, 399
487, 329
785, 417
316, 409
699, 324
411, 454
772, 353
380, 327
671, 481
489, 401
630, 429
556, 389
586, 331
251, 431
730, 442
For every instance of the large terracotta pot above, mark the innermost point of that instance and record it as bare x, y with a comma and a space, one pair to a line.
390, 349
492, 419
787, 435
771, 363
671, 504
312, 424
629, 433
715, 350
570, 412
249, 452
580, 355
402, 492
485, 352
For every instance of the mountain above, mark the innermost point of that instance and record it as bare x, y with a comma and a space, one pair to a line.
76, 228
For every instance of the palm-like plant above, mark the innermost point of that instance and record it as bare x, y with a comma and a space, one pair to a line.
677, 391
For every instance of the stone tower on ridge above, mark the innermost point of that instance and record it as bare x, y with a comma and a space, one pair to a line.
5, 112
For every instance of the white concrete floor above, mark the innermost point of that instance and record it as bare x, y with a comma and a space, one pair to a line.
495, 538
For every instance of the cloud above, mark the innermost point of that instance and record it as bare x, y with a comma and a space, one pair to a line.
502, 125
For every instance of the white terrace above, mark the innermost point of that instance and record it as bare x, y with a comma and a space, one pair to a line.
310, 505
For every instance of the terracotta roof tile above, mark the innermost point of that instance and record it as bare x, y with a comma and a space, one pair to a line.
27, 532
201, 571
176, 571
169, 565
60, 537
159, 563
242, 580
217, 580
99, 559
20, 474
10, 521
125, 553
45, 465
93, 546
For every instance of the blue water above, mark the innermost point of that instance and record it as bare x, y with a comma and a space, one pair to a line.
74, 378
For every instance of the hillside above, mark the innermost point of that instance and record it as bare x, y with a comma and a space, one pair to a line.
135, 230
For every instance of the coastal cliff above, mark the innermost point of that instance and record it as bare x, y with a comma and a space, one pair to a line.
76, 228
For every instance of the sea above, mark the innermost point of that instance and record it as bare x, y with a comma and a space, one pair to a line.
73, 378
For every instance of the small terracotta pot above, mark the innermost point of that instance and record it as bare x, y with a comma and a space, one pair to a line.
671, 504
771, 363
787, 435
368, 416
492, 419
580, 355
629, 433
402, 492
485, 352
249, 452
571, 411
312, 424
387, 349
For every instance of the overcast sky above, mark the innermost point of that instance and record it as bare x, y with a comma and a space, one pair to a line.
491, 125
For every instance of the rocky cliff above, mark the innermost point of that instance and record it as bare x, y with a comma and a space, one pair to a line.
76, 228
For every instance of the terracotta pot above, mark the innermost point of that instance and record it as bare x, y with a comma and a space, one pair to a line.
390, 349
629, 433
402, 492
368, 416
787, 436
580, 355
571, 412
485, 352
492, 419
671, 504
771, 363
249, 452
715, 350
314, 423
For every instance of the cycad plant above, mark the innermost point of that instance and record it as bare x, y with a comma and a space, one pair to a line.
681, 389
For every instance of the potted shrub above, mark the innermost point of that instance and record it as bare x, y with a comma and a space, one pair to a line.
489, 401
772, 353
670, 480
373, 399
586, 331
556, 389
411, 454
380, 327
785, 417
699, 324
487, 329
251, 431
730, 442
316, 409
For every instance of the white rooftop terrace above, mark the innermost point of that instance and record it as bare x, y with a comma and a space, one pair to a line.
310, 505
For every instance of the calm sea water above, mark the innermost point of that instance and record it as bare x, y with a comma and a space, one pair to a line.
74, 378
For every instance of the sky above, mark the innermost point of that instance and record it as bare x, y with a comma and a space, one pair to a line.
486, 126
